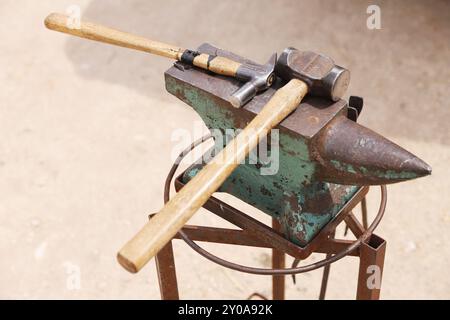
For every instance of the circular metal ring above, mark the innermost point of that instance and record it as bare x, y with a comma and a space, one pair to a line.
263, 271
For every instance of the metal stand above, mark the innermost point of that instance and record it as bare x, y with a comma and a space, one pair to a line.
256, 234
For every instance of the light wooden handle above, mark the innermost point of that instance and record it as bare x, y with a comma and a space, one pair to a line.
174, 215
89, 30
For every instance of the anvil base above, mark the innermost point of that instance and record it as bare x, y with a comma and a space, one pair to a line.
255, 234
301, 214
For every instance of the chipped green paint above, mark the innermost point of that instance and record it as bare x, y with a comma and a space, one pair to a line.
302, 223
213, 115
293, 147
299, 224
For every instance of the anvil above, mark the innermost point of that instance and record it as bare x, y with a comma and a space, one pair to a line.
324, 157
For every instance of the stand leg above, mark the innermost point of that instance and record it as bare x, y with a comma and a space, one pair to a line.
278, 262
167, 277
364, 213
371, 268
325, 275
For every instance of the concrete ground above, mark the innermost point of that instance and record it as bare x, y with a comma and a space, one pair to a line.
86, 130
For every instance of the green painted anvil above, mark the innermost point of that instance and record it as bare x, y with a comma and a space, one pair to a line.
324, 157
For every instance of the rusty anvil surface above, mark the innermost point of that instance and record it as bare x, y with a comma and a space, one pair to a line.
294, 195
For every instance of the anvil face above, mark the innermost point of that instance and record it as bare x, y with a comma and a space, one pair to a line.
316, 175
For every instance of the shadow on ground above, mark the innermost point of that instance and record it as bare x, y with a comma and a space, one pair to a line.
400, 70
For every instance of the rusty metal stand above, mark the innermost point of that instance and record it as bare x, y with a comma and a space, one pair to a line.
254, 233
367, 246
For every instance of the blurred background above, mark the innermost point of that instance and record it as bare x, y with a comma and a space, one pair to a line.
85, 141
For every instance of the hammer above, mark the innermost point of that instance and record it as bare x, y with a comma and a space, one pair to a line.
304, 72
256, 77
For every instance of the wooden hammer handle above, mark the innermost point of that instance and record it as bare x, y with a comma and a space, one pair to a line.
89, 30
164, 225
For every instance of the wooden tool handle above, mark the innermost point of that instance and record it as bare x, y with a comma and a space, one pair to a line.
164, 225
89, 30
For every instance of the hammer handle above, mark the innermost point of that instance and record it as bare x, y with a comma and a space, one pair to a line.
163, 226
89, 30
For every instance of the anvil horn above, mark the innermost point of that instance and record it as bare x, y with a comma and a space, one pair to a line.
349, 153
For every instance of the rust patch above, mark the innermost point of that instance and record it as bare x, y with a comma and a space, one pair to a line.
318, 203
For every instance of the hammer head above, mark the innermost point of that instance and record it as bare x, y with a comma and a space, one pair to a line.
318, 71
256, 77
